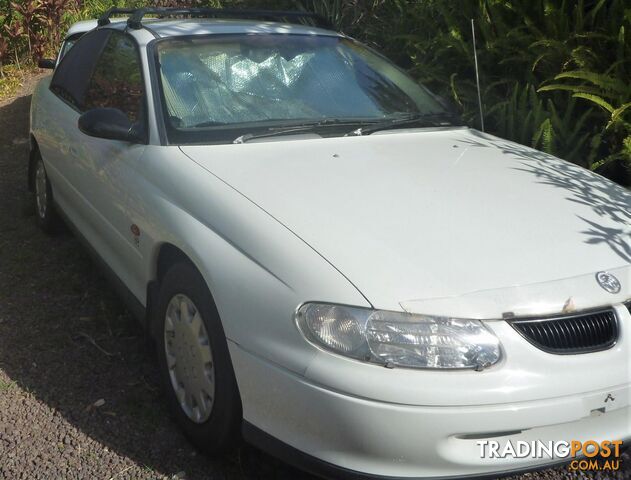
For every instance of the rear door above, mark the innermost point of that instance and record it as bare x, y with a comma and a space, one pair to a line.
57, 112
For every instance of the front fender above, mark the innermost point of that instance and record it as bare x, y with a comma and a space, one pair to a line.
258, 271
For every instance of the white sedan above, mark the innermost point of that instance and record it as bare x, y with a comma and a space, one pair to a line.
332, 266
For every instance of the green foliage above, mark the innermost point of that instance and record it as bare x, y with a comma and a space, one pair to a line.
555, 74
9, 80
612, 95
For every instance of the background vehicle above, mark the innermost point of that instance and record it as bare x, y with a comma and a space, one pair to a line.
313, 247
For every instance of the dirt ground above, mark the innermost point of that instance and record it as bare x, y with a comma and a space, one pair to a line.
78, 387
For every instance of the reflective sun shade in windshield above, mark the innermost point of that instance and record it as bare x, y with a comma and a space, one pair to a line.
222, 83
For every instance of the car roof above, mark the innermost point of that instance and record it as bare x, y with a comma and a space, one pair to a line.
87, 25
206, 26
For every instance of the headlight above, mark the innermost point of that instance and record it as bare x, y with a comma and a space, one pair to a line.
403, 339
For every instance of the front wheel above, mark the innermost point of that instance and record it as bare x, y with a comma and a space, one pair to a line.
194, 362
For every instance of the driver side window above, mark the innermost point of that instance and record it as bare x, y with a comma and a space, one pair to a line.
117, 79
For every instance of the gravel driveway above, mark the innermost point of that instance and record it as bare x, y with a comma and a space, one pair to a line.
78, 387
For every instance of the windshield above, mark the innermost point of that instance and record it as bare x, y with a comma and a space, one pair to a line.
217, 87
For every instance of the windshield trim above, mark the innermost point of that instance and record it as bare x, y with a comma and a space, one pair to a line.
229, 134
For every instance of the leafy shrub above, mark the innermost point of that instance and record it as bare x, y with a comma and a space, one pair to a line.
554, 73
523, 46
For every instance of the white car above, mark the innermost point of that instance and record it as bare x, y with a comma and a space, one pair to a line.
74, 33
330, 263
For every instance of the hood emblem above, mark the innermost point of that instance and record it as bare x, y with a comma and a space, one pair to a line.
608, 282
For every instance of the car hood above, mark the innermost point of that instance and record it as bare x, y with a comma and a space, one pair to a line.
442, 221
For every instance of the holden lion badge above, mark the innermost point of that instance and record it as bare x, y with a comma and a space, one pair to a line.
608, 282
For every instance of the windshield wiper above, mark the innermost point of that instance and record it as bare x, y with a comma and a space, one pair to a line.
301, 127
209, 123
442, 119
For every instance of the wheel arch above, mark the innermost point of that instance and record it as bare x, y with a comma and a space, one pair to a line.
166, 255
230, 421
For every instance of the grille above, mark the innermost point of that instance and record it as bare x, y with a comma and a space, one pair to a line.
588, 332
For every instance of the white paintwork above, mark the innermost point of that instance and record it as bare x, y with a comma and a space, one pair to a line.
430, 214
81, 27
438, 221
200, 26
394, 439
174, 28
87, 25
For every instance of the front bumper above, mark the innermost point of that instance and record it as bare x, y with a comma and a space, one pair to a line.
362, 437
315, 466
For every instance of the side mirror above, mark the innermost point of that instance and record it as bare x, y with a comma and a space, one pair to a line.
110, 123
46, 63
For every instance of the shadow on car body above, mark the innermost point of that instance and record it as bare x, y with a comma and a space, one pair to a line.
67, 341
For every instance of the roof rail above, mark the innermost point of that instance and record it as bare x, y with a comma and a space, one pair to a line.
137, 14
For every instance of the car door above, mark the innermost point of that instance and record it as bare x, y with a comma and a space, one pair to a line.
57, 112
110, 166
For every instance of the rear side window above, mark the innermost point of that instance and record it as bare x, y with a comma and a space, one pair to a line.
68, 44
117, 78
71, 77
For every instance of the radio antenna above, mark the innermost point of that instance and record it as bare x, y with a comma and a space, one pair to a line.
477, 74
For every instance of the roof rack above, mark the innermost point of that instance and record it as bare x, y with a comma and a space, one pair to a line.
137, 14
104, 19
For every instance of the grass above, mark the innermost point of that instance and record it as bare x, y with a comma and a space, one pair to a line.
6, 385
12, 78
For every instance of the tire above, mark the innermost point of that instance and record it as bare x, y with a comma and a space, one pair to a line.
218, 430
47, 217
